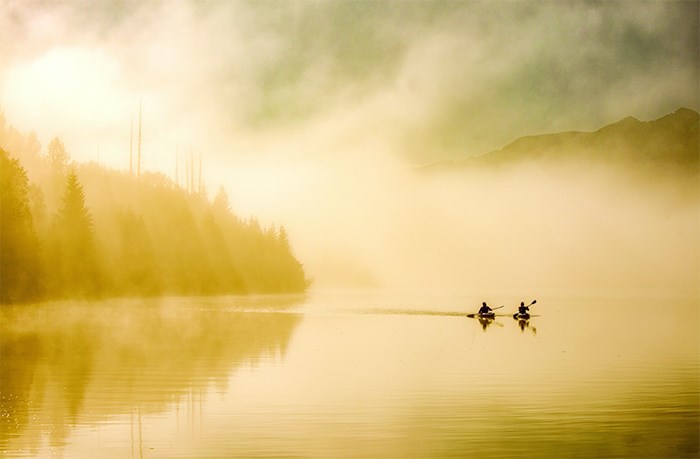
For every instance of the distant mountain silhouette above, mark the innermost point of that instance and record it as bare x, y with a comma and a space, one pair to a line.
671, 142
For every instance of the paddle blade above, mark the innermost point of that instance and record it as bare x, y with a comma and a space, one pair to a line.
533, 302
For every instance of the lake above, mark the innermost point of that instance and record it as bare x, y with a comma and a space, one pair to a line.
352, 375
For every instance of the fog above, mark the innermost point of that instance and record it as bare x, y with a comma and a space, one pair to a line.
318, 116
527, 229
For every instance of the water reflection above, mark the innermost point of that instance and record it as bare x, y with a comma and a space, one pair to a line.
65, 363
373, 379
524, 324
485, 322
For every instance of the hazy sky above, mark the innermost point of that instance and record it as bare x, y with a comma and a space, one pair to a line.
428, 79
306, 110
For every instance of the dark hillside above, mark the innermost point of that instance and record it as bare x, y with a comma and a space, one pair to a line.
670, 142
88, 231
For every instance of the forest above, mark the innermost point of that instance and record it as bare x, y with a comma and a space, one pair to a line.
80, 231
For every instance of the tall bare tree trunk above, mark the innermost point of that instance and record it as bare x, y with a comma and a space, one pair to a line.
131, 146
138, 162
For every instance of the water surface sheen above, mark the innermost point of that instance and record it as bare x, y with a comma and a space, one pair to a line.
340, 375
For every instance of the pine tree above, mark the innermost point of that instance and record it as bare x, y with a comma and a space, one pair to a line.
19, 246
73, 257
292, 276
136, 272
58, 159
221, 202
58, 156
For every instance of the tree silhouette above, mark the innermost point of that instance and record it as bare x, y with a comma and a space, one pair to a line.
55, 170
19, 247
221, 203
73, 258
151, 237
136, 272
290, 273
25, 148
58, 156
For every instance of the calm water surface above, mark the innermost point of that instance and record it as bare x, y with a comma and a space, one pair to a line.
350, 375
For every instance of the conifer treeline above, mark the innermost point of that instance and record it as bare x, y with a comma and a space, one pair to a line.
73, 230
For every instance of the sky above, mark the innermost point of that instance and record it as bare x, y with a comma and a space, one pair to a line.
433, 80
295, 106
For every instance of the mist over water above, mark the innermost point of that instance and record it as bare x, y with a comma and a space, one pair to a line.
410, 159
527, 227
349, 375
315, 115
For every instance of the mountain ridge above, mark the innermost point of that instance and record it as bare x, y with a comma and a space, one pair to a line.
669, 142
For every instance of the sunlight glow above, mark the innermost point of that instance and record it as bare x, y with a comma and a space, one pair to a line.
82, 85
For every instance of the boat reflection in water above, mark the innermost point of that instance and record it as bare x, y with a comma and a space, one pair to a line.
485, 322
346, 376
525, 324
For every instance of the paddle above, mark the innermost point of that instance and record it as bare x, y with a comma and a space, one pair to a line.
516, 314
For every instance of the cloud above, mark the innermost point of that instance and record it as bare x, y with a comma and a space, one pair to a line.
472, 75
311, 112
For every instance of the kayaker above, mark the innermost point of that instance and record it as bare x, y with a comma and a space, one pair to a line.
485, 309
523, 309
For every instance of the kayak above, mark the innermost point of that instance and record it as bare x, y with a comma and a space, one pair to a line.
488, 315
520, 316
